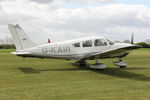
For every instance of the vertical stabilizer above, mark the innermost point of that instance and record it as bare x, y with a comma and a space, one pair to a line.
21, 40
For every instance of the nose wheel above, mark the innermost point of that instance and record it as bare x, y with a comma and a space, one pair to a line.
120, 63
122, 66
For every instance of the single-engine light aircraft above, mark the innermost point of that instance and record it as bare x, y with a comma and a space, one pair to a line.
89, 48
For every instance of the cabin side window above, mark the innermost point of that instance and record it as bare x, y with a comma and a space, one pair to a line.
97, 42
100, 42
87, 43
76, 44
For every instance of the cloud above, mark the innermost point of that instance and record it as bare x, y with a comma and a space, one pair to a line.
42, 1
67, 1
113, 21
86, 1
105, 20
117, 21
42, 21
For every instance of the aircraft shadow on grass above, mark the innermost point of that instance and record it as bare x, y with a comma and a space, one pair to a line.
116, 72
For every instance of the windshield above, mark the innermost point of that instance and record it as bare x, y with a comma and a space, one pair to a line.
110, 42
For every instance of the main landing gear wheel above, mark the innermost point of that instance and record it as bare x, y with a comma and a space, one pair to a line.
122, 66
120, 63
82, 63
98, 65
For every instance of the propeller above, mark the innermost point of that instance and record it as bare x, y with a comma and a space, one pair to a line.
132, 38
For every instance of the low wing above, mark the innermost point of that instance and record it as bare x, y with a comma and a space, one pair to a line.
119, 52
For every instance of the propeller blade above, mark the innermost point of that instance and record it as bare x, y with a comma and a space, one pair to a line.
132, 39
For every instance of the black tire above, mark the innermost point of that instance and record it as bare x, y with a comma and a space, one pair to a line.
122, 66
83, 63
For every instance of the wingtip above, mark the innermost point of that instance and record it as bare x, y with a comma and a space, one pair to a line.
137, 46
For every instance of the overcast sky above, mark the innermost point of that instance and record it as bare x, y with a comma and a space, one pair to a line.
62, 20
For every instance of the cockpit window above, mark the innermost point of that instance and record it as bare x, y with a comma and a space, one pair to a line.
76, 44
100, 42
110, 42
87, 43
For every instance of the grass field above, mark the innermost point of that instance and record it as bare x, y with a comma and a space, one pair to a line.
49, 79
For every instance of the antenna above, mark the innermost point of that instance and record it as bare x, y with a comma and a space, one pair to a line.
17, 24
49, 40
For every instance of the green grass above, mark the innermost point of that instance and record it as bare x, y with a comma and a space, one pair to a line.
6, 50
49, 79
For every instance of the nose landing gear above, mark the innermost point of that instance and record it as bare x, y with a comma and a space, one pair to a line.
120, 63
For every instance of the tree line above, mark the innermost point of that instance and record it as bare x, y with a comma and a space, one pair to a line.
8, 43
145, 44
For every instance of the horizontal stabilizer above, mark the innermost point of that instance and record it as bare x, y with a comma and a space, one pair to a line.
20, 53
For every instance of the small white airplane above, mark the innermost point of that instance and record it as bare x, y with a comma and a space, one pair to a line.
82, 49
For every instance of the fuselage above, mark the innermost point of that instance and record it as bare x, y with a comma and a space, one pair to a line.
76, 49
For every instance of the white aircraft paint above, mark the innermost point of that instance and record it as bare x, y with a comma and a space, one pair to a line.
79, 49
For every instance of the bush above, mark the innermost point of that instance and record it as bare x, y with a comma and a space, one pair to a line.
1, 47
143, 44
7, 46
